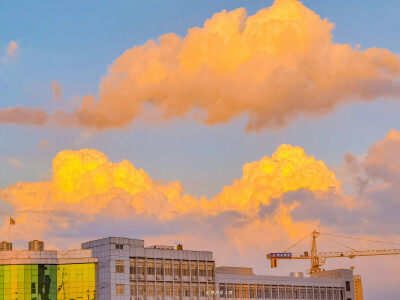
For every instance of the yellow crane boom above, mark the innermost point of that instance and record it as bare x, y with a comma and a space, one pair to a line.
352, 254
319, 259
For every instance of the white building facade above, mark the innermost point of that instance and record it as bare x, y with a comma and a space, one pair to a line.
127, 270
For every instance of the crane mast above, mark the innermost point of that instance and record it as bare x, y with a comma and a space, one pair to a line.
315, 258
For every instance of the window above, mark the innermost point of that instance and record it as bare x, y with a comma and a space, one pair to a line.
203, 291
119, 246
132, 267
119, 266
260, 291
160, 290
186, 291
150, 290
185, 269
303, 292
202, 270
168, 269
245, 291
253, 291
296, 293
289, 292
177, 291
141, 290
238, 291
140, 268
267, 292
159, 269
323, 294
336, 294
275, 292
177, 270
150, 268
282, 293
210, 271
133, 290
120, 289
193, 269
195, 291
316, 293
329, 295
168, 290
348, 286
222, 290
309, 293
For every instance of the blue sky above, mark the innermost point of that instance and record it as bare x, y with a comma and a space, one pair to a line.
74, 42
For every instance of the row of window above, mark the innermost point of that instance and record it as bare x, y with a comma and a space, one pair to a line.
279, 292
167, 290
167, 268
235, 291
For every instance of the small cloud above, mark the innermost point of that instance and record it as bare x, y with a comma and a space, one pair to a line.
57, 91
15, 162
43, 144
12, 49
23, 115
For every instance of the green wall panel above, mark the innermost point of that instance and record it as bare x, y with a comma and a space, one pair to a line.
47, 282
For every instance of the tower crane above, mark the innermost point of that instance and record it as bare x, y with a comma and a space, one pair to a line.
319, 259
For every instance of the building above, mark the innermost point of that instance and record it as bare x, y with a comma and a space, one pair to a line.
122, 268
358, 291
44, 274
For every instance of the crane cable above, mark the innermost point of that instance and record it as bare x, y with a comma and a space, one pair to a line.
297, 243
361, 239
339, 243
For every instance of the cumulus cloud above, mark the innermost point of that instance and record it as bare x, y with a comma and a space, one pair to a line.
383, 160
12, 49
278, 200
274, 67
289, 192
85, 183
57, 90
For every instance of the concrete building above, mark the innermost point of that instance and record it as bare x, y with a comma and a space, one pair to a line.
124, 269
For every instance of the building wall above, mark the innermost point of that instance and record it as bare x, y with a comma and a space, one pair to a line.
128, 270
47, 282
28, 282
358, 291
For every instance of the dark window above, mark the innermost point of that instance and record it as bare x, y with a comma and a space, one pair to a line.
119, 246
119, 266
347, 286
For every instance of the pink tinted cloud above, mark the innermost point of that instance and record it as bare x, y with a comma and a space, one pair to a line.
12, 49
57, 90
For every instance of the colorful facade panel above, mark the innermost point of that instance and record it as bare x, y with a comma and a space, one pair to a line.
47, 282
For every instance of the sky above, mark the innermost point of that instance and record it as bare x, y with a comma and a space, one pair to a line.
203, 122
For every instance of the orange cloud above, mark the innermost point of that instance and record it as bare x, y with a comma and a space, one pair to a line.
15, 162
43, 144
86, 182
57, 90
12, 49
273, 66
23, 115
